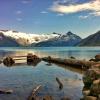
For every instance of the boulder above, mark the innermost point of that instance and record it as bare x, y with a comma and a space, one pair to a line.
95, 88
90, 75
90, 98
8, 61
47, 97
97, 57
86, 92
33, 59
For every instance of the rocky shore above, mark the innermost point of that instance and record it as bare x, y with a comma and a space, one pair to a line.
91, 80
91, 76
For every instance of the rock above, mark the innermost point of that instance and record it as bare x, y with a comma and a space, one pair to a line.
32, 59
95, 88
0, 61
92, 60
96, 66
90, 98
91, 75
97, 57
72, 57
8, 61
47, 98
99, 97
86, 92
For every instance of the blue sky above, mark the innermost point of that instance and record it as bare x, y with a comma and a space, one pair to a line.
82, 17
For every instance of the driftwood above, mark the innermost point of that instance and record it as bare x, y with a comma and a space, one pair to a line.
4, 91
81, 64
60, 83
34, 92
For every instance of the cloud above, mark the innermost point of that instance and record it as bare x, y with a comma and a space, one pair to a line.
43, 12
93, 6
26, 1
83, 17
60, 14
19, 19
18, 12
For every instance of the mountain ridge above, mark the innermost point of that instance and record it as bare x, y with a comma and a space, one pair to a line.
91, 40
24, 39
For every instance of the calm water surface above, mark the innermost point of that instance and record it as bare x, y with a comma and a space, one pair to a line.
23, 78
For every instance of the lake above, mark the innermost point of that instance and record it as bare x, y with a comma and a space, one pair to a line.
22, 78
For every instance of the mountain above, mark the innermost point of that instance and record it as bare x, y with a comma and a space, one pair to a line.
92, 40
7, 41
68, 39
15, 38
9, 37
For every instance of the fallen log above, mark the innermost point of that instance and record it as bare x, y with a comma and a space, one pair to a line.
34, 92
60, 83
81, 64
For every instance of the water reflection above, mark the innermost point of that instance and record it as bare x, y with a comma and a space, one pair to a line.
62, 52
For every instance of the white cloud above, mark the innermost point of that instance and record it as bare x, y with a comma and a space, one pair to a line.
93, 6
97, 13
83, 17
43, 12
60, 14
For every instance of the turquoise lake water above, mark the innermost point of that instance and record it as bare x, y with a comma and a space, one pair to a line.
22, 78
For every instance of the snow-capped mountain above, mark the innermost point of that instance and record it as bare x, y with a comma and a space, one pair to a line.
68, 39
7, 41
26, 38
15, 38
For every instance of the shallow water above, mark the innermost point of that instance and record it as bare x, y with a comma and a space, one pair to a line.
62, 52
23, 78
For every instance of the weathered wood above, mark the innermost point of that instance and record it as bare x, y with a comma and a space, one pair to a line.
60, 83
34, 92
72, 62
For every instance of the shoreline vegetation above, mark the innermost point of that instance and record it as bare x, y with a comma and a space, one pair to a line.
91, 77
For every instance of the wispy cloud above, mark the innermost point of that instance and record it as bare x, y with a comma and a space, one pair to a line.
83, 17
43, 12
19, 19
26, 1
93, 6
60, 14
18, 12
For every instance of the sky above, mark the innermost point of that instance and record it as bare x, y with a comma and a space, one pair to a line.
81, 17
